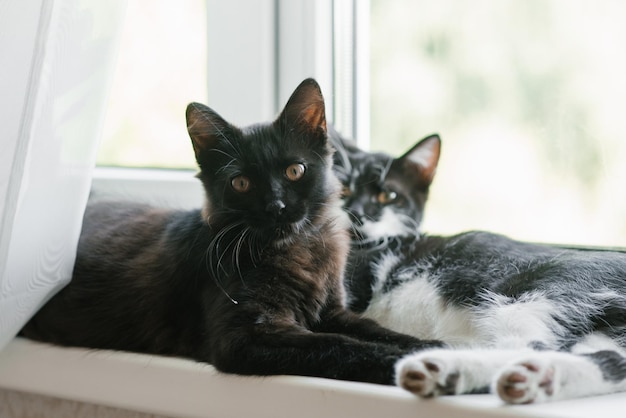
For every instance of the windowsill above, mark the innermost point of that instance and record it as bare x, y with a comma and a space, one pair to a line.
178, 387
171, 188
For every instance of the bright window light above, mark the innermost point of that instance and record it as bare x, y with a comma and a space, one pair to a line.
162, 67
529, 99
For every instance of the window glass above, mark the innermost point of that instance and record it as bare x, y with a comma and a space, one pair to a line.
161, 67
529, 99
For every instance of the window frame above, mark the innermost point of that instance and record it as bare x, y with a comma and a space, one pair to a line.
288, 40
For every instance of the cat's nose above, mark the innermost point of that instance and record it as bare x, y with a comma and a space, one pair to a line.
276, 208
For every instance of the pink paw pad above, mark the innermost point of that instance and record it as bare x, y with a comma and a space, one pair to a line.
525, 382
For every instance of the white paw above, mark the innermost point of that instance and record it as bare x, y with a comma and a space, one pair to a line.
526, 381
427, 375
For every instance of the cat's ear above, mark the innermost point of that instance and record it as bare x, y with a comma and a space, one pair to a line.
205, 127
305, 110
423, 158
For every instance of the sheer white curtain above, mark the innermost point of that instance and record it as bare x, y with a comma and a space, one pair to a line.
56, 61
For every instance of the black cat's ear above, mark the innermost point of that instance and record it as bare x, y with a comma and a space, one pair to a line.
205, 127
305, 110
423, 158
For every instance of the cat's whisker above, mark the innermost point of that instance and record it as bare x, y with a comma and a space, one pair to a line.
372, 243
321, 157
227, 166
412, 225
237, 252
226, 248
355, 231
251, 251
307, 228
213, 253
346, 166
233, 158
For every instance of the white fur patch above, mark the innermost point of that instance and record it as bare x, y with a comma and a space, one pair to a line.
415, 307
515, 324
383, 268
597, 341
388, 225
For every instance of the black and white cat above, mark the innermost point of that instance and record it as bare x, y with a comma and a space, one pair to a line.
530, 322
251, 283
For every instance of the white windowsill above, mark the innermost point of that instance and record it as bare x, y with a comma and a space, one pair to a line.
178, 387
178, 189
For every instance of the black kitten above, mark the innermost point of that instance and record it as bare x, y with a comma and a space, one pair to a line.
252, 283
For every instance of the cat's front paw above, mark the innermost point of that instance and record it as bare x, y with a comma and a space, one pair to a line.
526, 381
426, 375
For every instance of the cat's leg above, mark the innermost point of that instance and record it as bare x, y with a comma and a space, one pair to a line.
348, 323
550, 376
293, 350
451, 371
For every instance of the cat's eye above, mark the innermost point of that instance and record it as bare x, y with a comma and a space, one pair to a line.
295, 171
386, 197
241, 184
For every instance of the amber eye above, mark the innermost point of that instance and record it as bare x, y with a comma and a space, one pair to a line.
295, 171
241, 184
386, 197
